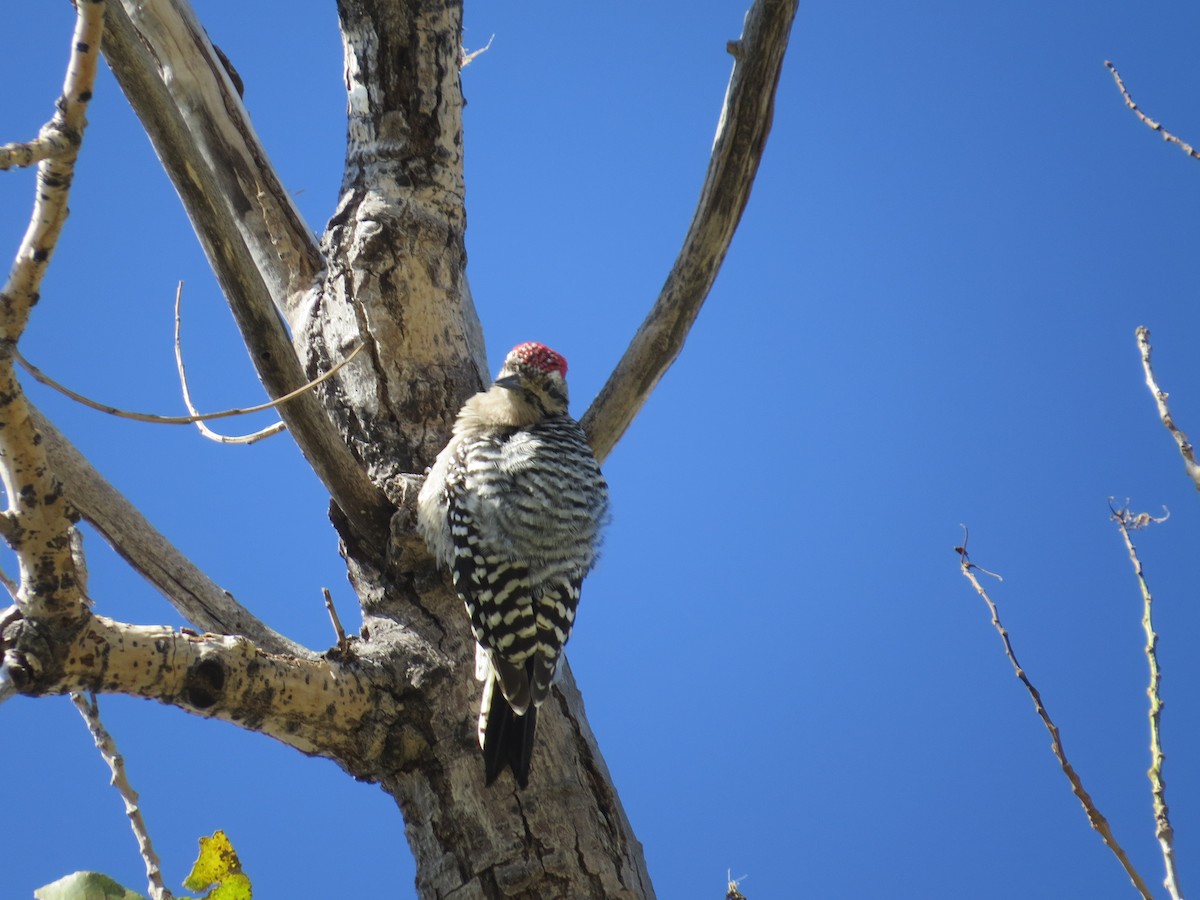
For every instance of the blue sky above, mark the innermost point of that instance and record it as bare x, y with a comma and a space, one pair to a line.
926, 319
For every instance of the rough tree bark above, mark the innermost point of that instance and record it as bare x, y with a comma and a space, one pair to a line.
389, 272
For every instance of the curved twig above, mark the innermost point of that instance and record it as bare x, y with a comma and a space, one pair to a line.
1151, 123
187, 393
737, 149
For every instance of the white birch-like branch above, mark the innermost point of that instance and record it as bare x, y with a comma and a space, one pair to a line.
49, 584
737, 150
317, 706
51, 141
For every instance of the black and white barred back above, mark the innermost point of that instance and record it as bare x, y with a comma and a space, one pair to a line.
525, 509
514, 506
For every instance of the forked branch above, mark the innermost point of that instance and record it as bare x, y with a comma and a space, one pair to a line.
197, 598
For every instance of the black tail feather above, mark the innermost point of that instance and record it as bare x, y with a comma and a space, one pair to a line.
507, 738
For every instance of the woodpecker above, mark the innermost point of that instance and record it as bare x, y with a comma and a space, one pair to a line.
513, 506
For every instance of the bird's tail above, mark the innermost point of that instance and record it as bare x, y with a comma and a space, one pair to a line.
505, 736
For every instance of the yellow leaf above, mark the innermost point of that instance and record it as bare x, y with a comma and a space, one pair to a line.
218, 865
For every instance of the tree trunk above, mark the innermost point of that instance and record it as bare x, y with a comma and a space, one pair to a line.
396, 706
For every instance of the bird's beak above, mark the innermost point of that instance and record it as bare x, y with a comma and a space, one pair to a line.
509, 382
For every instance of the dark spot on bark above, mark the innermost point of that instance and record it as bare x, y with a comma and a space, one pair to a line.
85, 96
82, 46
41, 254
205, 683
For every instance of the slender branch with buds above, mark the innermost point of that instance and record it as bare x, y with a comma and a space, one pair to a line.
90, 710
1095, 817
1127, 521
1151, 123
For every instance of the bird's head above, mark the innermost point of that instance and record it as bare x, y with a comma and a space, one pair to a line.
536, 376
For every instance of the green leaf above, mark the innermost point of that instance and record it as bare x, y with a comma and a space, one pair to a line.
86, 886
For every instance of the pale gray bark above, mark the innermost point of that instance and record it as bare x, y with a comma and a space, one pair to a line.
389, 272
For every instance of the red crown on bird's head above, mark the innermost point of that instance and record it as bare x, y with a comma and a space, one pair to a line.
537, 356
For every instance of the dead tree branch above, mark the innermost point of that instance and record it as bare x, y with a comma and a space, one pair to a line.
737, 149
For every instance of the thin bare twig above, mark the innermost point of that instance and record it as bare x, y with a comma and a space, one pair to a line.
90, 710
1127, 521
1153, 124
1164, 412
154, 419
342, 643
187, 394
1095, 818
